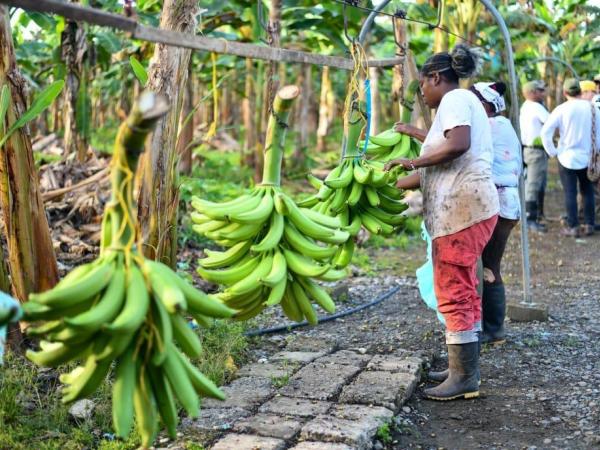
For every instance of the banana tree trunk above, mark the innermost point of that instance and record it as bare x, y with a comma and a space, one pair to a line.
326, 99
30, 253
248, 115
441, 39
73, 48
4, 281
375, 100
300, 153
159, 193
186, 135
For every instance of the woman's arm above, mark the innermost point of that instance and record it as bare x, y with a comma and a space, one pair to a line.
411, 130
412, 181
457, 142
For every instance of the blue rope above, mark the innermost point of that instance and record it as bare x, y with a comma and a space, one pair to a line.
368, 114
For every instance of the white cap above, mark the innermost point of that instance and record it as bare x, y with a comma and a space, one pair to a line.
490, 95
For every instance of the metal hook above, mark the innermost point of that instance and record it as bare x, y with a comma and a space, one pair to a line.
352, 40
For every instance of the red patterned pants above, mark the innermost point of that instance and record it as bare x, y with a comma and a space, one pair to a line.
455, 279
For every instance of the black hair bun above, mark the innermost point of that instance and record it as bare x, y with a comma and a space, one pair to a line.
499, 87
466, 61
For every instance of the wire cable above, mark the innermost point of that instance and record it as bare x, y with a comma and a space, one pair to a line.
401, 14
289, 327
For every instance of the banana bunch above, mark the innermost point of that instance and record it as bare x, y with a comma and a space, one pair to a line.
360, 193
274, 248
127, 310
390, 144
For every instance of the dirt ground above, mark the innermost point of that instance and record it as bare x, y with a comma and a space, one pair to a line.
541, 390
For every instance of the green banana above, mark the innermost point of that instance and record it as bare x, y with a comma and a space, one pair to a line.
304, 266
145, 410
304, 224
87, 286
343, 258
89, 379
201, 384
355, 194
249, 283
164, 288
258, 214
333, 275
328, 221
163, 332
344, 179
209, 227
319, 294
231, 275
165, 402
136, 305
372, 196
304, 304
181, 384
388, 138
277, 292
185, 336
272, 237
107, 308
354, 226
278, 271
57, 354
216, 260
289, 306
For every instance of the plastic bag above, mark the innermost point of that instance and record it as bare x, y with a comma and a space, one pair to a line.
425, 277
10, 311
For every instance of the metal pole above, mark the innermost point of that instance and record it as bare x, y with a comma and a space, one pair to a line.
366, 28
514, 112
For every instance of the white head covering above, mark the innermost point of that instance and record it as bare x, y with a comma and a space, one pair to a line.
490, 95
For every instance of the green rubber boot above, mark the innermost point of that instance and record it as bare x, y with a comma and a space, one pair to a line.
440, 376
463, 361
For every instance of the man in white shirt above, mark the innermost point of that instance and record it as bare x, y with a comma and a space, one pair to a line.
573, 120
532, 116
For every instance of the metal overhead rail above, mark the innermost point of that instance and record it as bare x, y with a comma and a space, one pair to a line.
514, 114
137, 31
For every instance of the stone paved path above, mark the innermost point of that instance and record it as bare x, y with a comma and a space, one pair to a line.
311, 397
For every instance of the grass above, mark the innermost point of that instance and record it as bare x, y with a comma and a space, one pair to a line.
281, 381
33, 417
384, 434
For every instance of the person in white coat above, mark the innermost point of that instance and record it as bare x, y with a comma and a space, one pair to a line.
506, 169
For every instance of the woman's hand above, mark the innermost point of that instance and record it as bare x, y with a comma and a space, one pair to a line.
407, 164
410, 130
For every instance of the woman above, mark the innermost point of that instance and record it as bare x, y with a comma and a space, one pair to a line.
506, 169
460, 205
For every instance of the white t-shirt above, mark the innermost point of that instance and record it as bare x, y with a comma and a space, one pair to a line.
573, 119
507, 166
459, 193
531, 118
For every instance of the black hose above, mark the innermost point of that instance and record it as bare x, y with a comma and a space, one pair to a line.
291, 326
